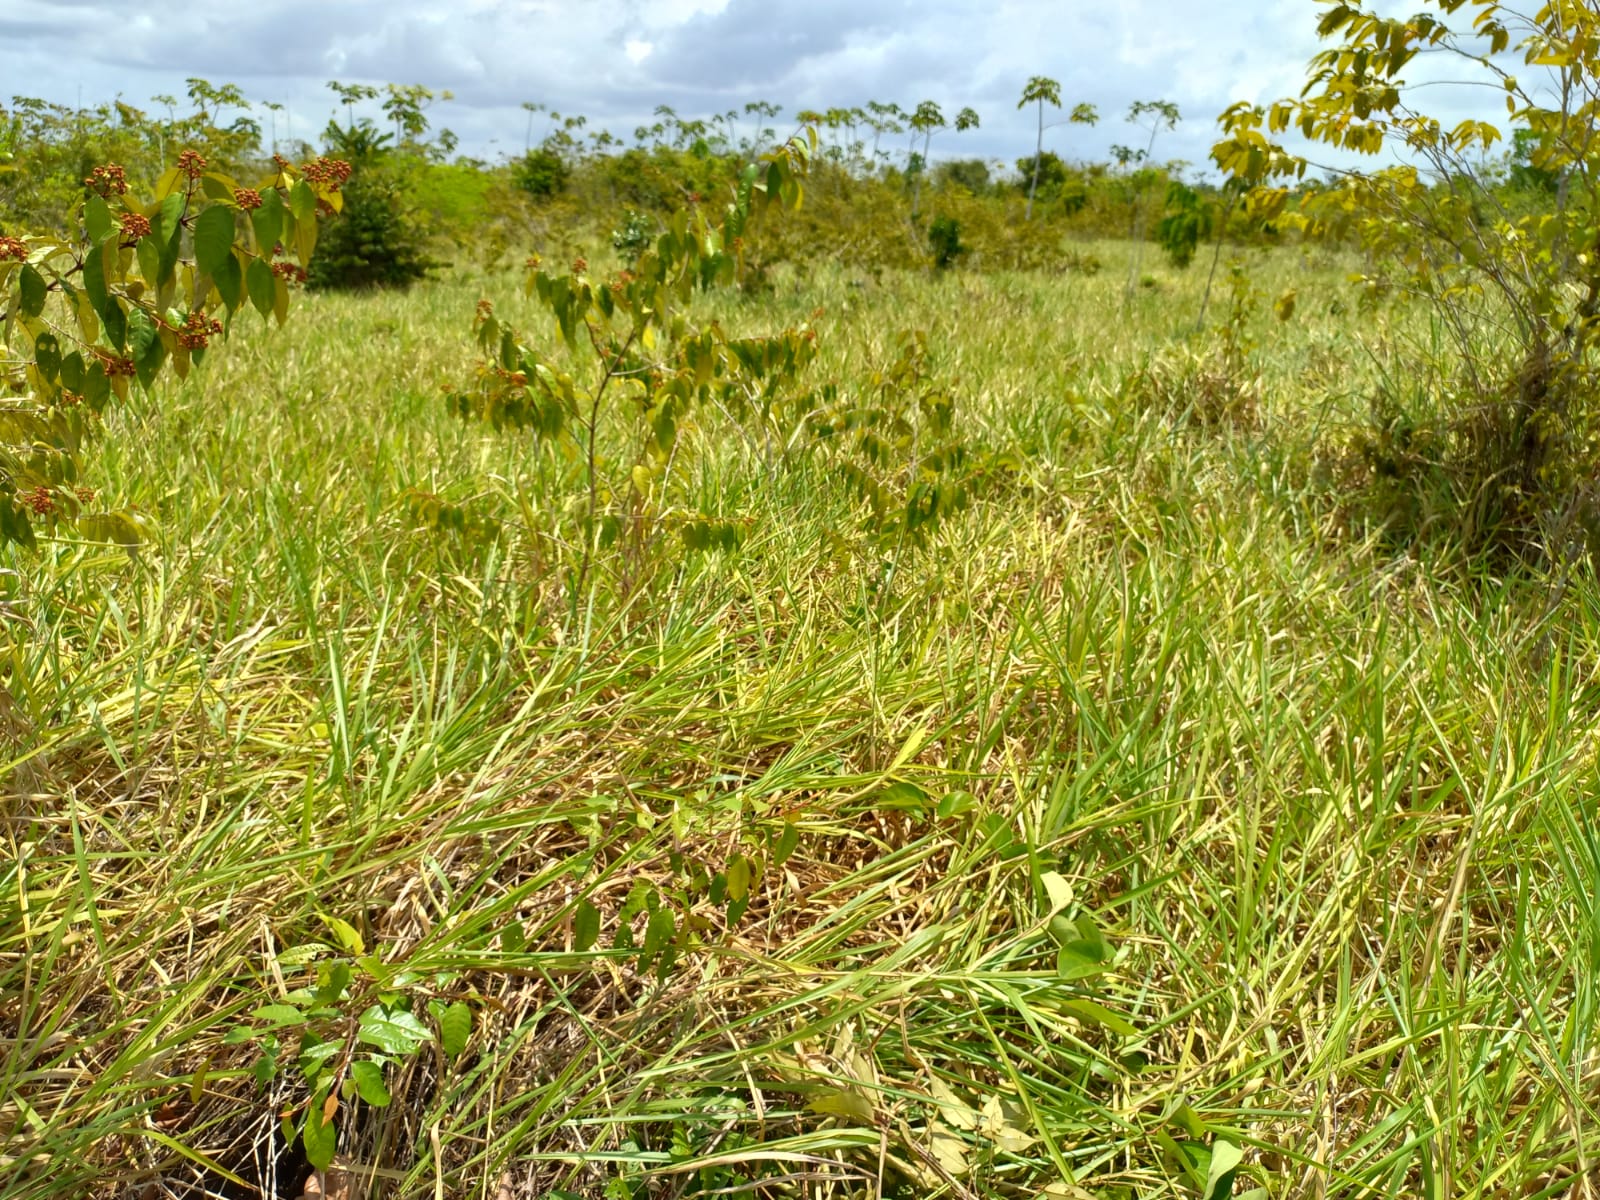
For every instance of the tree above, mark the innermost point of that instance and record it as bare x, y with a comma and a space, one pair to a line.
1038, 90
1041, 90
376, 241
1517, 294
925, 122
144, 278
1154, 115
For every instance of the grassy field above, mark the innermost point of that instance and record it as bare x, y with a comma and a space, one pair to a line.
1145, 820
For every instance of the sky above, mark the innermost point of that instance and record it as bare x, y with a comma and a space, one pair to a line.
615, 60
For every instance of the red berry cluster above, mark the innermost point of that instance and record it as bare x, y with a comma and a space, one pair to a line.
283, 163
107, 181
485, 309
14, 248
330, 172
115, 365
69, 399
134, 226
192, 164
289, 272
247, 198
580, 265
85, 495
198, 331
38, 501
533, 262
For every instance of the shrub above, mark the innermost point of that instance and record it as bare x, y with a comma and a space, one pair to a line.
373, 242
1511, 418
944, 235
541, 173
634, 234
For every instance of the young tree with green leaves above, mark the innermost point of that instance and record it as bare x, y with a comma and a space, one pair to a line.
145, 277
1517, 293
1154, 116
1042, 90
926, 121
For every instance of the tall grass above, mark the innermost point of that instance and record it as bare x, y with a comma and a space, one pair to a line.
1331, 811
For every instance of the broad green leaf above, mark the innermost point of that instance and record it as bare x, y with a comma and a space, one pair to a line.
658, 933
230, 282
787, 843
1225, 1160
1079, 960
368, 1077
268, 221
280, 1014
149, 254
72, 372
94, 280
345, 936
320, 1138
213, 239
258, 282
33, 291
953, 804
96, 387
394, 1032
455, 1028
305, 241
303, 202
585, 925
738, 877
97, 222
116, 324
47, 355
1057, 890
903, 796
280, 301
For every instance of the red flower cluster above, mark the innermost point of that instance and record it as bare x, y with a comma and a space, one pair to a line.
107, 181
38, 500
289, 272
247, 198
330, 172
14, 248
134, 226
198, 331
191, 164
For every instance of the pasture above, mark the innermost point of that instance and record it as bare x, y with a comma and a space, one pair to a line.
1153, 827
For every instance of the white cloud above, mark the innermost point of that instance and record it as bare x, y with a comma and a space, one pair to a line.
615, 60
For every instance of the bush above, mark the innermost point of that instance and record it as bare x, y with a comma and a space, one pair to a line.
634, 234
373, 242
540, 174
944, 235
